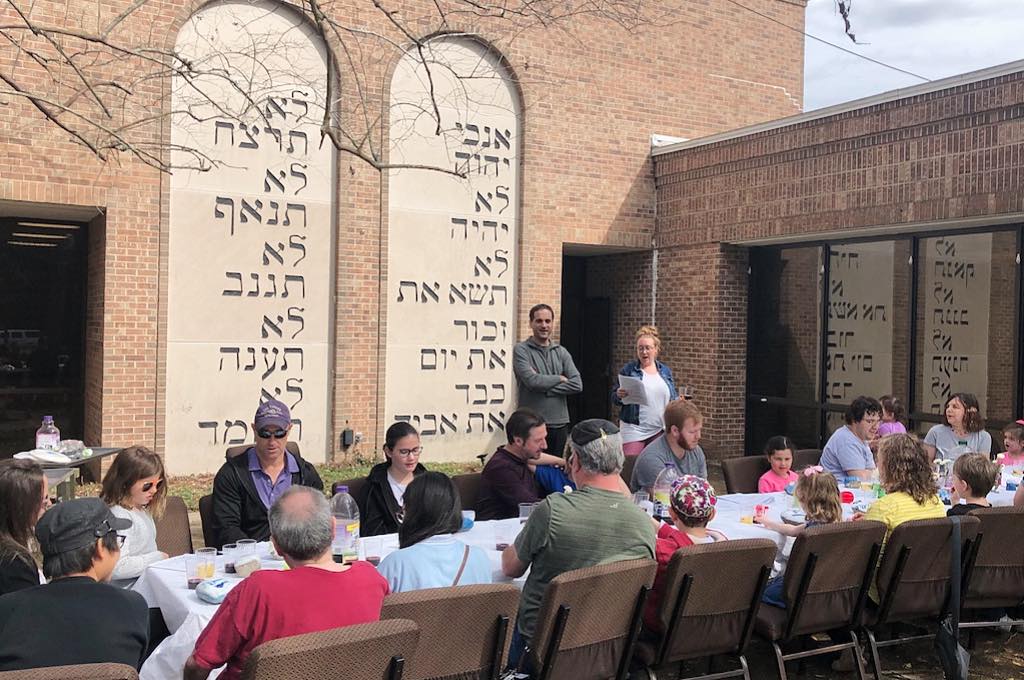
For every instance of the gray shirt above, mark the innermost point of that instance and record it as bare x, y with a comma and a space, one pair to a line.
949, 446
656, 455
538, 373
846, 451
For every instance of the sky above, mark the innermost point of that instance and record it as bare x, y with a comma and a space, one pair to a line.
931, 38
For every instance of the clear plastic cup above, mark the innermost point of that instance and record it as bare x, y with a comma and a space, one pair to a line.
229, 550
524, 511
246, 546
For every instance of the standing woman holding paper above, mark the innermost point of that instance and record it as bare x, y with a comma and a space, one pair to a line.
640, 424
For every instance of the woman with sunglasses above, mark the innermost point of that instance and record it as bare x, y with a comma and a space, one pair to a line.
23, 499
386, 483
135, 489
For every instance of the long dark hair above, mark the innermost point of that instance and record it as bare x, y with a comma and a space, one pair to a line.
397, 430
21, 498
432, 507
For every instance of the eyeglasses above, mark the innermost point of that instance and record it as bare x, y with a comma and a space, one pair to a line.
149, 485
409, 452
105, 529
276, 434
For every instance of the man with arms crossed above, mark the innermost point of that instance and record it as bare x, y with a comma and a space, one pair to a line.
546, 373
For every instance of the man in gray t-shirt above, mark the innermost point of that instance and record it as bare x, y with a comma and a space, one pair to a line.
847, 453
679, 446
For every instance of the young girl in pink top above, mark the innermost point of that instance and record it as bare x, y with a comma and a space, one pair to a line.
780, 455
892, 416
1013, 442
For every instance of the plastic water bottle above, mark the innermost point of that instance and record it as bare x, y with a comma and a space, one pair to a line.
48, 436
663, 489
345, 546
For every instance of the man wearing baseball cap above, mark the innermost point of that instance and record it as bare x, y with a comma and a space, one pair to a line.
594, 525
248, 484
78, 617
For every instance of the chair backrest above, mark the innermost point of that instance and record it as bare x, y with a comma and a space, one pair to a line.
464, 630
996, 577
233, 451
913, 575
803, 458
469, 489
368, 651
173, 533
589, 618
627, 468
85, 671
206, 519
710, 597
742, 473
828, 575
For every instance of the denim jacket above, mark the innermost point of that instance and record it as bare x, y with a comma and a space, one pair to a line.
630, 413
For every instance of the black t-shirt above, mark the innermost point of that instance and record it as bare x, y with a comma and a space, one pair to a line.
964, 508
70, 621
16, 574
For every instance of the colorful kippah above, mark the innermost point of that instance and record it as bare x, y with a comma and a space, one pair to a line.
692, 497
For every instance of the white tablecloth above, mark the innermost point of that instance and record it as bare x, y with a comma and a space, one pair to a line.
163, 585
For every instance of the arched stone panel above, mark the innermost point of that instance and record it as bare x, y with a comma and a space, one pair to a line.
250, 247
452, 248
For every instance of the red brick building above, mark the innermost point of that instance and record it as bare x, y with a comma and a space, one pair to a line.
590, 100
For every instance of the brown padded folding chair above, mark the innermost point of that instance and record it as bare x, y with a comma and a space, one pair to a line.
469, 489
86, 671
825, 588
803, 458
368, 651
464, 630
994, 570
709, 602
356, 489
742, 473
589, 621
206, 519
913, 578
173, 533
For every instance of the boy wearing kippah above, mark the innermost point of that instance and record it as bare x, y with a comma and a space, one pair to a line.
691, 507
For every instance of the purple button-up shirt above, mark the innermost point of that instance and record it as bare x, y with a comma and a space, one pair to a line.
270, 491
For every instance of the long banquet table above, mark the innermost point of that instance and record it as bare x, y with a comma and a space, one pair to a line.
163, 583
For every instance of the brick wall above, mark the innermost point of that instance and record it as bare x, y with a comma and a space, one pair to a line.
591, 99
946, 155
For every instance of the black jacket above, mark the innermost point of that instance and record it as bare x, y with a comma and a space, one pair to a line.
379, 504
238, 511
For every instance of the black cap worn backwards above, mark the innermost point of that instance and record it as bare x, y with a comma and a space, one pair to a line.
589, 430
75, 524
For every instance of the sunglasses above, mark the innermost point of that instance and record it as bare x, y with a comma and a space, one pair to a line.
149, 485
276, 434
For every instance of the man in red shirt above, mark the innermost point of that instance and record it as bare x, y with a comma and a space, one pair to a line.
314, 595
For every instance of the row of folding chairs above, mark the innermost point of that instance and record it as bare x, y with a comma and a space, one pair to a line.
589, 624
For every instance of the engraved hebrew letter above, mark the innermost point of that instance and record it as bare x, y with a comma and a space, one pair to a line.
274, 107
293, 350
496, 360
294, 389
426, 290
460, 322
456, 221
217, 125
228, 291
267, 323
291, 141
253, 209
297, 207
270, 179
502, 257
275, 133
503, 195
428, 359
471, 417
489, 338
256, 292
234, 441
252, 143
273, 292
481, 388
504, 293
207, 424
294, 242
229, 350
277, 211
300, 100
293, 316
453, 293
495, 388
481, 266
473, 352
401, 293
294, 278
429, 429
450, 423
494, 423
466, 388
298, 173
266, 361
217, 212
251, 366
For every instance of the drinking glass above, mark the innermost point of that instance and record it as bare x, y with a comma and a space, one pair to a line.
207, 562
524, 511
246, 546
229, 551
372, 546
503, 536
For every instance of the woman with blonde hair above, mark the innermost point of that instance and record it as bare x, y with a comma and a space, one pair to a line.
135, 488
642, 424
23, 499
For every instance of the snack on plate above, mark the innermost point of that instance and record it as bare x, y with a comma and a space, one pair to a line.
247, 565
212, 590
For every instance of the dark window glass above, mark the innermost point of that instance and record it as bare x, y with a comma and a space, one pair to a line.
42, 313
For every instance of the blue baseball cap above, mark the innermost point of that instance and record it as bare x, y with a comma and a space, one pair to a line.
272, 412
